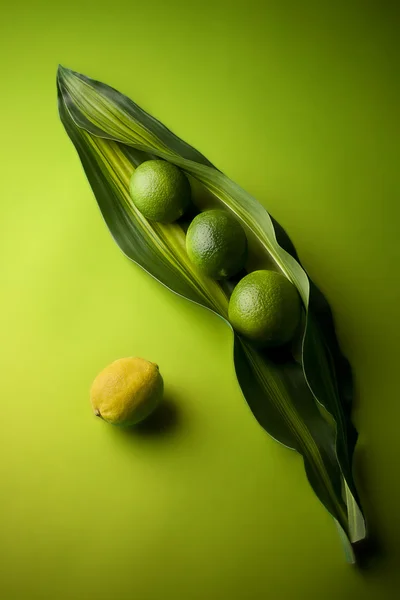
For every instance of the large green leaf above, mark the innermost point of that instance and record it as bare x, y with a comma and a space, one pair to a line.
302, 397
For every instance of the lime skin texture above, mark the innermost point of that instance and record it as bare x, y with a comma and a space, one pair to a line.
216, 243
265, 307
160, 191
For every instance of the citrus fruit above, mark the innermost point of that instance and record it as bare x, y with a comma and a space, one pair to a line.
127, 391
160, 191
217, 243
265, 307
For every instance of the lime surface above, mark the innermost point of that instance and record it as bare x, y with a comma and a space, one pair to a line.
160, 191
217, 243
265, 307
126, 391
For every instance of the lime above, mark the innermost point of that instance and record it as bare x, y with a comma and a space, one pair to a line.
127, 391
217, 243
160, 191
265, 307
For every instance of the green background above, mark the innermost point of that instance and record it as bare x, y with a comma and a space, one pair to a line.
298, 103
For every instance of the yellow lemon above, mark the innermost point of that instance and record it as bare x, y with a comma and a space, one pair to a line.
127, 391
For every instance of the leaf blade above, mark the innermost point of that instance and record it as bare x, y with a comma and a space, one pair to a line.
99, 112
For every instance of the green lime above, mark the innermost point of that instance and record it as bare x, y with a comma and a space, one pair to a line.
160, 191
265, 307
217, 243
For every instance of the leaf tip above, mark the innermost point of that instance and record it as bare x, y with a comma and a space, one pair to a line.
60, 69
62, 72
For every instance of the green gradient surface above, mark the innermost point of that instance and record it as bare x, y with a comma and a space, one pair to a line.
298, 104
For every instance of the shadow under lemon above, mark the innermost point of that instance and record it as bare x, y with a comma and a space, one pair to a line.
165, 420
